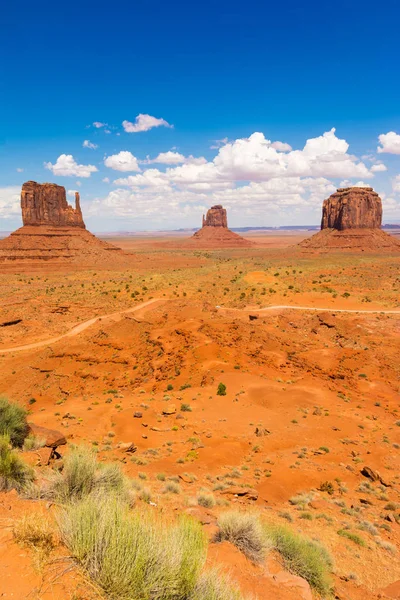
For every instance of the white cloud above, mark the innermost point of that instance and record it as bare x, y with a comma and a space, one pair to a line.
78, 183
144, 123
106, 180
123, 161
99, 124
390, 143
168, 158
67, 166
175, 158
218, 143
19, 170
348, 183
71, 192
396, 183
10, 201
88, 144
281, 146
378, 168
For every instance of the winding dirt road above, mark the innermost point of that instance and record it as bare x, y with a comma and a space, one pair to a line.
78, 328
82, 326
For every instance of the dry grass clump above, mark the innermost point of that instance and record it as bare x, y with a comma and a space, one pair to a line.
83, 475
213, 585
14, 473
13, 422
302, 557
245, 531
206, 500
35, 531
33, 442
134, 555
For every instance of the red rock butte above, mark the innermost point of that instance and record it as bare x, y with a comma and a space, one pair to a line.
351, 220
53, 231
215, 233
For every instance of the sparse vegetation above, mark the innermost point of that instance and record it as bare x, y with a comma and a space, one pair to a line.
13, 422
243, 530
14, 473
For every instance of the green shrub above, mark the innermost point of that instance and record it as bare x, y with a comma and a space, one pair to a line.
134, 554
354, 537
83, 475
302, 557
13, 422
221, 391
14, 473
244, 530
32, 442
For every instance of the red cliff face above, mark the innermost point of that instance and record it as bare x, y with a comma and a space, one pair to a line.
46, 204
352, 208
216, 217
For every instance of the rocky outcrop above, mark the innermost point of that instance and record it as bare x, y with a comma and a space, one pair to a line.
216, 217
46, 204
55, 232
215, 233
351, 221
352, 208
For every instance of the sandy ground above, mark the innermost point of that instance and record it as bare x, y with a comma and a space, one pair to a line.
311, 395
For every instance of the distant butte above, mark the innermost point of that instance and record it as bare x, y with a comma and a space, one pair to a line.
351, 220
46, 204
53, 231
215, 233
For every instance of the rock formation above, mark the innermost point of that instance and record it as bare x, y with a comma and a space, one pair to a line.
46, 204
351, 220
215, 233
216, 217
352, 208
54, 231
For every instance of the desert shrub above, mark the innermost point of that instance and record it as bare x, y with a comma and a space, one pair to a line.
245, 531
172, 488
35, 531
213, 585
221, 390
83, 475
14, 473
354, 537
302, 557
133, 554
32, 442
13, 422
302, 499
206, 500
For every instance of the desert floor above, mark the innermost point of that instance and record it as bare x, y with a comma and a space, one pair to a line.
312, 396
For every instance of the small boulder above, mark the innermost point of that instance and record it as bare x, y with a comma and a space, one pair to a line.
52, 437
169, 410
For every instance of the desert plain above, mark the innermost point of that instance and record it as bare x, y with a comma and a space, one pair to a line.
305, 428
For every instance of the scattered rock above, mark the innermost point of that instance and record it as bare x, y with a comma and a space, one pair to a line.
52, 437
373, 476
138, 415
261, 431
127, 447
169, 410
249, 493
253, 317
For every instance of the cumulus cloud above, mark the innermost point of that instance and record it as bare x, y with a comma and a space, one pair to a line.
19, 170
281, 146
10, 202
396, 183
71, 192
88, 144
67, 166
106, 180
378, 168
389, 143
348, 183
144, 123
99, 124
123, 161
218, 143
253, 177
168, 158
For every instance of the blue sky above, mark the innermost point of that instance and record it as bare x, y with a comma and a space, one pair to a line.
247, 74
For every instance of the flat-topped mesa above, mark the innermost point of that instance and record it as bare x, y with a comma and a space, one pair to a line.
352, 208
216, 217
46, 204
